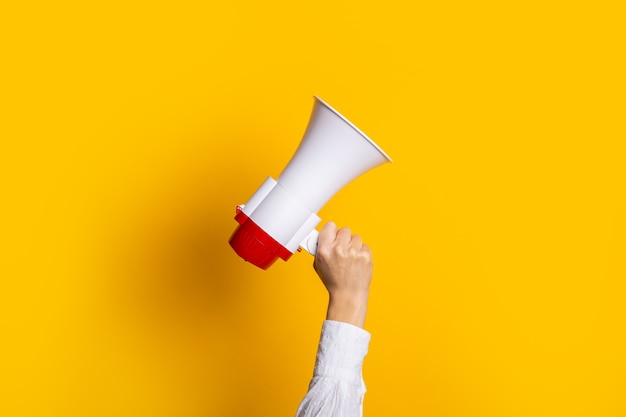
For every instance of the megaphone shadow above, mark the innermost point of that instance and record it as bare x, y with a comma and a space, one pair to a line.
177, 295
177, 261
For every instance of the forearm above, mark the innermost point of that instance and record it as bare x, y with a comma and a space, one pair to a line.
344, 265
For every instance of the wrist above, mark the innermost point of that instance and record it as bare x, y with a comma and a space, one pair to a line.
348, 307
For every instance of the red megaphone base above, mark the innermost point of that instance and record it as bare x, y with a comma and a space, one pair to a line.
255, 245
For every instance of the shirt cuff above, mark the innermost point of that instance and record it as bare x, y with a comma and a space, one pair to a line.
341, 351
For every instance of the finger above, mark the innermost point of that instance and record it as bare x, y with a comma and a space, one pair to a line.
356, 242
367, 251
327, 234
344, 235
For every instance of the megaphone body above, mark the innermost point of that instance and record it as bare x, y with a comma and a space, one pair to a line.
281, 216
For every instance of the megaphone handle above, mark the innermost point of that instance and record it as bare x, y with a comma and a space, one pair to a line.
309, 243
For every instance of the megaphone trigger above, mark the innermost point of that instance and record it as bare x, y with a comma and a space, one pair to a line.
310, 242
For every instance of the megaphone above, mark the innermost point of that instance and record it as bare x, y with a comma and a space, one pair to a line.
281, 216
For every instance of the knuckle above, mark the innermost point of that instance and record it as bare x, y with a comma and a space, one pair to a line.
342, 251
323, 252
366, 255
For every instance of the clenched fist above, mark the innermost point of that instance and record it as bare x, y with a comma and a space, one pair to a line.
344, 264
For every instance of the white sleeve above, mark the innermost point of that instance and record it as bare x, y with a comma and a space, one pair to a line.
337, 387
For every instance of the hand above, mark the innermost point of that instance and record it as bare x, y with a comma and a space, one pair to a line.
344, 265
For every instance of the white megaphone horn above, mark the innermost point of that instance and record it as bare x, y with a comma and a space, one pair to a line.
281, 216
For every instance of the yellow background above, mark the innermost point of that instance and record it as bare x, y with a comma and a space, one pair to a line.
130, 130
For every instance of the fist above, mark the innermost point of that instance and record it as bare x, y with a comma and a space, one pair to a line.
344, 264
